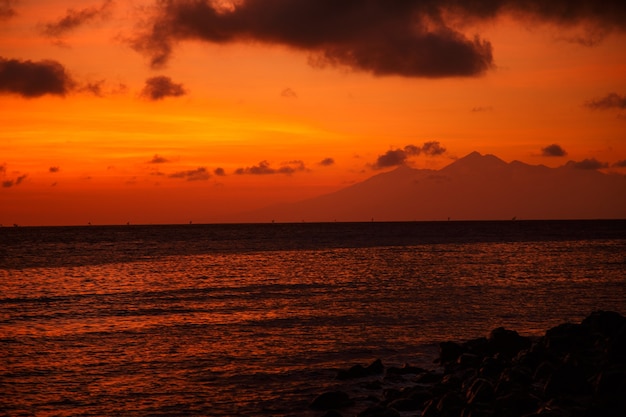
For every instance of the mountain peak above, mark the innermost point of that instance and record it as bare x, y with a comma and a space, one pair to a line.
475, 161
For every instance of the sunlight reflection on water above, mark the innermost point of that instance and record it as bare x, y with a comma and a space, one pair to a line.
224, 334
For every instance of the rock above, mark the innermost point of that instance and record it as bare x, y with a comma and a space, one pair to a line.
573, 370
375, 368
481, 391
379, 411
405, 370
449, 352
406, 404
450, 405
607, 323
507, 342
331, 400
517, 403
568, 337
332, 413
358, 371
567, 380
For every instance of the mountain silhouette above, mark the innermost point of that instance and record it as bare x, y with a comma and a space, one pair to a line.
475, 187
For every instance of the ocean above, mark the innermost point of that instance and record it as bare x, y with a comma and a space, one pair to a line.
256, 319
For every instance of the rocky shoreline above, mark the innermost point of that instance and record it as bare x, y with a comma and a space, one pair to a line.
573, 370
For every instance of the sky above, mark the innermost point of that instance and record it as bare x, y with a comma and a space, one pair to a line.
149, 111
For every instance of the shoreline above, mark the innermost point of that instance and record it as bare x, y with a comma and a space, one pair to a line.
572, 370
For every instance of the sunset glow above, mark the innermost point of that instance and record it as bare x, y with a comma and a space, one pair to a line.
95, 130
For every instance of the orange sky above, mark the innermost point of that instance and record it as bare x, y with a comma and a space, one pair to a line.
105, 152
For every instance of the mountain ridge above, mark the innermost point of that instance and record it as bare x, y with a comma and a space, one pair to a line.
474, 187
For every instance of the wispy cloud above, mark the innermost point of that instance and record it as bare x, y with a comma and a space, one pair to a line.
198, 174
591, 164
288, 93
264, 168
6, 9
157, 159
160, 87
610, 101
17, 181
54, 170
326, 162
74, 18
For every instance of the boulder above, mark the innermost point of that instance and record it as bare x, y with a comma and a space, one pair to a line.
331, 400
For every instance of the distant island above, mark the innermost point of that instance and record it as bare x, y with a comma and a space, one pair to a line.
475, 187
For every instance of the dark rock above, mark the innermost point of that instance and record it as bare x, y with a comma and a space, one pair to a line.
516, 378
507, 342
406, 404
331, 400
375, 368
481, 391
356, 371
379, 411
617, 347
372, 385
469, 360
479, 347
429, 378
491, 368
516, 403
417, 393
607, 323
450, 405
544, 371
449, 352
568, 337
359, 371
405, 370
391, 394
610, 392
332, 413
567, 380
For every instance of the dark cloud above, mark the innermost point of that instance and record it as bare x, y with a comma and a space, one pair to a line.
219, 172
610, 101
157, 88
157, 159
412, 38
15, 182
264, 168
592, 164
54, 169
480, 109
74, 18
6, 9
3, 169
553, 150
198, 174
326, 162
406, 38
433, 148
33, 79
620, 164
395, 157
391, 158
288, 93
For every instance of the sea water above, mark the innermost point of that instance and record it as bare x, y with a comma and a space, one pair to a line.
249, 320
